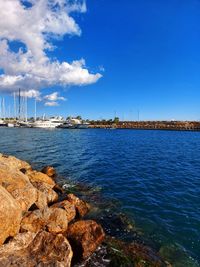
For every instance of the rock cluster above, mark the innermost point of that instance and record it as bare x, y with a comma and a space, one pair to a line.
36, 229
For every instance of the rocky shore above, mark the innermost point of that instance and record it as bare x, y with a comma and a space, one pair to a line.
148, 125
43, 224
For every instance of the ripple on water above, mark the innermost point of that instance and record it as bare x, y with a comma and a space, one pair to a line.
154, 174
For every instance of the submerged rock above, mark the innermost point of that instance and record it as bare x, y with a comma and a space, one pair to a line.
122, 254
85, 237
177, 256
10, 215
42, 249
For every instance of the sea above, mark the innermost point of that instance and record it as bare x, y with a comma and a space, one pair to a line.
153, 177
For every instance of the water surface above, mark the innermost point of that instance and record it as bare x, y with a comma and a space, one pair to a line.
154, 174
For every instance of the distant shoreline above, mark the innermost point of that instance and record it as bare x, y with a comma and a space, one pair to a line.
140, 125
149, 125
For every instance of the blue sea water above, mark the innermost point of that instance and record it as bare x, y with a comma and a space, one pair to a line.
154, 174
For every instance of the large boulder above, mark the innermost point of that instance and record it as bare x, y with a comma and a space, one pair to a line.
54, 220
85, 237
42, 249
14, 163
35, 176
68, 207
18, 185
10, 215
82, 207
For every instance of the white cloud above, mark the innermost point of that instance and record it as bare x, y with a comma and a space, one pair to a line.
51, 104
35, 27
31, 94
54, 97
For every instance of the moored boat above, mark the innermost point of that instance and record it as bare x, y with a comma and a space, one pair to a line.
3, 123
48, 123
74, 123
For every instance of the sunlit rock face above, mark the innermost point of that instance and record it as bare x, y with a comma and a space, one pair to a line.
10, 215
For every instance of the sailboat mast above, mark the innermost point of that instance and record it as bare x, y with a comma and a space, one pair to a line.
3, 108
35, 108
19, 104
15, 115
26, 108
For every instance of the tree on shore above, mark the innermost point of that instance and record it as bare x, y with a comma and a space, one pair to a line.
78, 117
116, 120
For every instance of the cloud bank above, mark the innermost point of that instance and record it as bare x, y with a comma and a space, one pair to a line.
34, 24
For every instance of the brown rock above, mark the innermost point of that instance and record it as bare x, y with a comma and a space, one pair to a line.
58, 189
68, 207
33, 222
18, 185
41, 202
14, 163
10, 215
46, 194
44, 250
50, 171
53, 220
35, 176
85, 237
56, 220
81, 206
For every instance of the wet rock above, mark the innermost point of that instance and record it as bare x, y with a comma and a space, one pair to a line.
44, 249
54, 220
82, 207
68, 207
35, 176
85, 237
177, 256
116, 224
10, 215
50, 171
18, 185
58, 189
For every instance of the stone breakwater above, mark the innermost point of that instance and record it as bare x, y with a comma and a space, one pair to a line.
43, 225
149, 125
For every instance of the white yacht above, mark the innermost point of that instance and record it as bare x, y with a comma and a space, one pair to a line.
11, 125
24, 124
48, 123
73, 123
2, 123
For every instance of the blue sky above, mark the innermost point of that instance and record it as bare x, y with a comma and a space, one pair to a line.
148, 53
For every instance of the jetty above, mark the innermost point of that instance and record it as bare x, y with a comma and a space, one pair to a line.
148, 125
